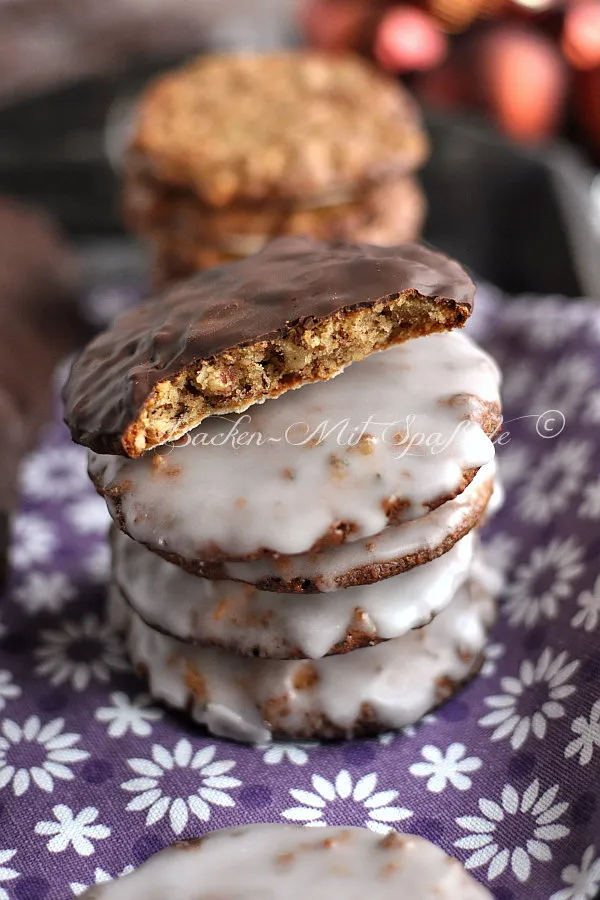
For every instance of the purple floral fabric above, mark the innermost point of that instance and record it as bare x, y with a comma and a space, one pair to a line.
94, 777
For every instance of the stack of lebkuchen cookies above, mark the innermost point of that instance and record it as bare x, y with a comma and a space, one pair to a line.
296, 449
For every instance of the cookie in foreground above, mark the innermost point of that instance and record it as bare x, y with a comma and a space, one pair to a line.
297, 312
293, 862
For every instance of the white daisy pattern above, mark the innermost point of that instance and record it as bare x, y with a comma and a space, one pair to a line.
493, 770
513, 462
493, 653
100, 877
518, 380
545, 334
500, 551
590, 507
55, 473
588, 614
541, 584
33, 540
582, 882
126, 715
530, 700
8, 689
73, 830
89, 515
554, 481
588, 736
492, 834
33, 754
274, 754
7, 873
408, 731
566, 383
159, 782
339, 794
97, 563
444, 769
591, 412
41, 592
79, 652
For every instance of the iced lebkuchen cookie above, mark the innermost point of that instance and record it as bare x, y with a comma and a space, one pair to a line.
297, 312
388, 440
240, 128
188, 237
360, 693
250, 622
290, 862
395, 550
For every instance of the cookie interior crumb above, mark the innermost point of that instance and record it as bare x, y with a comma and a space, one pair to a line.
244, 375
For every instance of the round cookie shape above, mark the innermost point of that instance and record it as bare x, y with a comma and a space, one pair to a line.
299, 311
365, 692
393, 437
283, 126
250, 622
268, 861
395, 550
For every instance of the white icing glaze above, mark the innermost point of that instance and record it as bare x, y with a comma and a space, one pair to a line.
272, 862
252, 699
288, 493
326, 566
279, 626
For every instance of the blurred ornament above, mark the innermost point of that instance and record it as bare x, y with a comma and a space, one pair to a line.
517, 66
581, 35
524, 81
408, 40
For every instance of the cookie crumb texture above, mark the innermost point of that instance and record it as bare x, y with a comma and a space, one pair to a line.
228, 127
293, 862
243, 376
297, 312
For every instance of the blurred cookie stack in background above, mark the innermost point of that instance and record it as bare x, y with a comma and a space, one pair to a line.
329, 531
234, 150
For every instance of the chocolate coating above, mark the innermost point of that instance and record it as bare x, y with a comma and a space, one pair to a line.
291, 281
